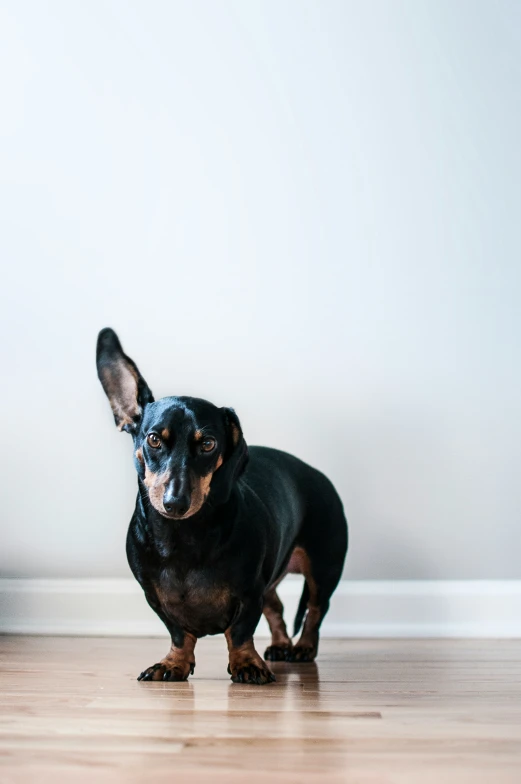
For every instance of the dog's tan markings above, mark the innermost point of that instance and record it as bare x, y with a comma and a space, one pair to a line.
165, 434
242, 654
245, 664
198, 435
216, 596
155, 484
273, 610
120, 383
150, 479
193, 598
161, 594
300, 563
309, 636
200, 493
177, 665
236, 434
201, 489
139, 455
219, 595
204, 484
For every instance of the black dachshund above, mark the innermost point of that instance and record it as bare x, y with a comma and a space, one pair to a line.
217, 526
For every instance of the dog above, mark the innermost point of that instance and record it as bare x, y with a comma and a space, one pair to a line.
217, 525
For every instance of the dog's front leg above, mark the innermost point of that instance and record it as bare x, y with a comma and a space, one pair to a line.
245, 664
179, 662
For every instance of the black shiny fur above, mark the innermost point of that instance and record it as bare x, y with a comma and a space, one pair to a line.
208, 572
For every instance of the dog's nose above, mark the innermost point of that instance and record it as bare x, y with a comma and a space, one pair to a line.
176, 504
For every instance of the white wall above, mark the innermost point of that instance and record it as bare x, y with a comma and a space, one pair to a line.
307, 210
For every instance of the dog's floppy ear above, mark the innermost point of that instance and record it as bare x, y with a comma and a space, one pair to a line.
235, 457
125, 387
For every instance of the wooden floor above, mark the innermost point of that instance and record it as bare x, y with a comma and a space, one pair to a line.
369, 712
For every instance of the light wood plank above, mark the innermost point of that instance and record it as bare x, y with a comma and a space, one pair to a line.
371, 711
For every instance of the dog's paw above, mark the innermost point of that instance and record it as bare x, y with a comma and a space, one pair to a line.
302, 653
251, 673
278, 653
167, 671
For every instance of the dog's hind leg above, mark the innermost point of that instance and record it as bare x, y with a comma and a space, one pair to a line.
306, 648
319, 556
281, 645
321, 580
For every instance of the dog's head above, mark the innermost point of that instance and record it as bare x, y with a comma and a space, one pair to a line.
184, 448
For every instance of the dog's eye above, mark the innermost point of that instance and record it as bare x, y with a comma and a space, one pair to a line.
153, 440
208, 444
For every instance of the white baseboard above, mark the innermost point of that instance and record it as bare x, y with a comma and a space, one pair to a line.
366, 608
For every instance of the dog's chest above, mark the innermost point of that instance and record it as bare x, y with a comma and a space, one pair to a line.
198, 602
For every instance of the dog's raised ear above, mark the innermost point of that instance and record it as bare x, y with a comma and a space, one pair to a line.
235, 458
125, 387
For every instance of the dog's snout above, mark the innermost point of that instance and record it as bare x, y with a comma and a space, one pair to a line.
174, 505
176, 498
